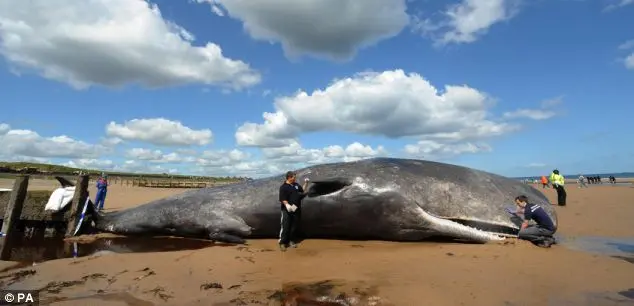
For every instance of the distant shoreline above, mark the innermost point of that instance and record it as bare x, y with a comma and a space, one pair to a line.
622, 175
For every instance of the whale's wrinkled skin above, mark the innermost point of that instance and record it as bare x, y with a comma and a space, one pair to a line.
373, 199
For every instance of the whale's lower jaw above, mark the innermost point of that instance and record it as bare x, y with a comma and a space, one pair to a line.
457, 230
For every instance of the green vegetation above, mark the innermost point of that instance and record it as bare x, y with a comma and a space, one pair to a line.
7, 169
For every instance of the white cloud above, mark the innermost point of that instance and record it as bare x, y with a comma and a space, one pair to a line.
324, 28
433, 150
220, 158
157, 156
535, 114
552, 102
111, 141
84, 163
4, 128
279, 160
111, 43
468, 20
27, 143
24, 145
390, 104
618, 4
28, 159
629, 61
545, 112
159, 131
536, 165
294, 153
133, 166
627, 45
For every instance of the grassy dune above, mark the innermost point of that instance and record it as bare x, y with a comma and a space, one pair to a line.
10, 169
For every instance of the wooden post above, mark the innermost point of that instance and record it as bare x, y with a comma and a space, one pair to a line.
77, 204
12, 213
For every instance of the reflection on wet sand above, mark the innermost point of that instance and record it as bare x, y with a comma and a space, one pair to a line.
125, 297
50, 248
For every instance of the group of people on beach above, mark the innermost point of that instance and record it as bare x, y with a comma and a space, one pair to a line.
596, 179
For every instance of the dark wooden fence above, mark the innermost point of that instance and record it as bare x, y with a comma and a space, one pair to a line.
21, 208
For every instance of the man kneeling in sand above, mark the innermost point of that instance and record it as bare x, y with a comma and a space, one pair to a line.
540, 234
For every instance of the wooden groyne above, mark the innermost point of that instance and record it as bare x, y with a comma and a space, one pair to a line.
22, 212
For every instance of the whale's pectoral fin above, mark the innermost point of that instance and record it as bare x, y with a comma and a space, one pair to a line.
226, 238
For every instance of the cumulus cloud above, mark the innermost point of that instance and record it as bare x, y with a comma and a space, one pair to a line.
25, 145
323, 28
157, 156
221, 158
434, 150
209, 162
294, 153
279, 160
235, 162
159, 131
111, 43
391, 104
466, 21
133, 166
30, 144
91, 163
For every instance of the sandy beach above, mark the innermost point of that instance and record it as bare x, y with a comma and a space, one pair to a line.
375, 273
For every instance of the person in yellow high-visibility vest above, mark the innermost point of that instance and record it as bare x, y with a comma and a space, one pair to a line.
557, 180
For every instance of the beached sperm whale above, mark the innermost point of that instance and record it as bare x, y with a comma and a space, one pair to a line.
373, 199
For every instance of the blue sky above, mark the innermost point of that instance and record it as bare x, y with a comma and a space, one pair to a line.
512, 87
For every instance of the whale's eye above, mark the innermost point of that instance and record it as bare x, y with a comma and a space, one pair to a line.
324, 187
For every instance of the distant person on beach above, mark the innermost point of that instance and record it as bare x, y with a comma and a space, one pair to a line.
291, 196
612, 180
558, 182
589, 178
102, 190
544, 181
582, 181
540, 234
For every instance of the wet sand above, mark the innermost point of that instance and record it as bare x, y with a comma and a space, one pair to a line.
509, 273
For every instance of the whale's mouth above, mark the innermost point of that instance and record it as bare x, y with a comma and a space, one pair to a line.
489, 227
465, 229
327, 186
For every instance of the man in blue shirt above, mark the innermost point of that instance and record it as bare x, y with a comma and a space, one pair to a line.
540, 234
102, 189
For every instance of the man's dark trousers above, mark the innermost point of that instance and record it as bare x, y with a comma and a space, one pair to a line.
533, 233
561, 195
290, 223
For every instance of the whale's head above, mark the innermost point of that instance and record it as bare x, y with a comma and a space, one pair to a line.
452, 200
